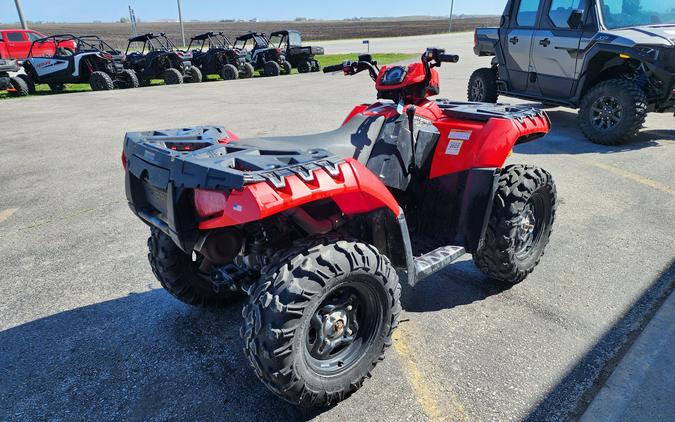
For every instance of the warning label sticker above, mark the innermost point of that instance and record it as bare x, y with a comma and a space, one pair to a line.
460, 135
453, 147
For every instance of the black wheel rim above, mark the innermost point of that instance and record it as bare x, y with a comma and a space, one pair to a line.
477, 90
531, 225
606, 113
342, 328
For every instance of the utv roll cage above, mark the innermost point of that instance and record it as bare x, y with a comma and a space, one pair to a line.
259, 38
293, 38
83, 43
209, 40
153, 41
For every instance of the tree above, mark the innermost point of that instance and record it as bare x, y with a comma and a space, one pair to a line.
124, 19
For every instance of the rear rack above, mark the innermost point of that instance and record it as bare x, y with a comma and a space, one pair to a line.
485, 111
202, 157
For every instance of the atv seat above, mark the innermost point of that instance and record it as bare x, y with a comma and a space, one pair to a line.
354, 139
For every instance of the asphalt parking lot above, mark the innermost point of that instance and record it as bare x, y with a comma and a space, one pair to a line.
86, 332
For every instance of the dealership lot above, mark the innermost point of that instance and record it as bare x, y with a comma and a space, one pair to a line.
87, 332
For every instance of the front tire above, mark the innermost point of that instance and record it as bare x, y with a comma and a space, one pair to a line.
172, 76
229, 72
483, 86
271, 69
320, 318
304, 67
179, 274
101, 81
19, 87
28, 81
246, 71
612, 112
128, 79
193, 75
520, 224
286, 67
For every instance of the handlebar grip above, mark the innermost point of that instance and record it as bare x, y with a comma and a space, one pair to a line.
449, 58
334, 68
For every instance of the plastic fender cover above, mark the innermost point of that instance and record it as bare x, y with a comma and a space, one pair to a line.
355, 190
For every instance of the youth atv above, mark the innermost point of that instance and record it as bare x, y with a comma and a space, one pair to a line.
301, 58
270, 61
93, 61
314, 228
154, 56
212, 53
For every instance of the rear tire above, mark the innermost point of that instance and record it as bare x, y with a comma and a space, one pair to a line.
271, 69
172, 77
320, 318
193, 75
229, 72
316, 66
19, 87
179, 274
101, 81
28, 81
520, 224
128, 79
286, 67
612, 112
483, 86
246, 71
304, 67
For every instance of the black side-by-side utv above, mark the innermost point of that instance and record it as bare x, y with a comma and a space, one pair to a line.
302, 58
213, 54
154, 56
270, 61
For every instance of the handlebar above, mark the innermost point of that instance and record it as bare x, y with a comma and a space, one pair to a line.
447, 58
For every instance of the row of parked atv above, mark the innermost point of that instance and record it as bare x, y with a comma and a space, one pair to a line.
154, 56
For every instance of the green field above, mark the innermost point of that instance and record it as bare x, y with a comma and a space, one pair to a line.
326, 60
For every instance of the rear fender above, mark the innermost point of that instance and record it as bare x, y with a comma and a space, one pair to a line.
354, 189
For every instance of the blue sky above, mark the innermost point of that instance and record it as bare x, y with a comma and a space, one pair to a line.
110, 10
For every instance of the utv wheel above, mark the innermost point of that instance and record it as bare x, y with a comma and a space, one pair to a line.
57, 88
483, 86
286, 67
128, 79
316, 66
28, 81
229, 72
193, 75
304, 67
320, 318
520, 224
246, 71
612, 112
271, 69
180, 275
101, 81
172, 77
19, 87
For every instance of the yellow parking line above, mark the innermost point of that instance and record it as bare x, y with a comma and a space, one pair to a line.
425, 393
5, 214
628, 175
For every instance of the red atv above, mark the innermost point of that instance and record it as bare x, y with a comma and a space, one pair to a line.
315, 227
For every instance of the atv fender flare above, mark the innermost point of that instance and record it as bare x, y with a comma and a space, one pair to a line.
354, 189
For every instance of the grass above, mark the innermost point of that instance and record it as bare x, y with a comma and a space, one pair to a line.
325, 60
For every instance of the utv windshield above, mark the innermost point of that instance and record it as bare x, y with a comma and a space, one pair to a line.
626, 13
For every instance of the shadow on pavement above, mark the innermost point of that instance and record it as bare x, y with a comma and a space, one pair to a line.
459, 284
566, 138
572, 395
144, 356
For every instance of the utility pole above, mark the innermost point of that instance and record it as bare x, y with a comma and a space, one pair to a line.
452, 4
19, 10
132, 19
180, 18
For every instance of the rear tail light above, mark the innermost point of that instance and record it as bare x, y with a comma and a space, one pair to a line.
209, 203
124, 160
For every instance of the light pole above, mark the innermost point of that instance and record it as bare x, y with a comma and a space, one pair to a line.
452, 4
180, 18
19, 10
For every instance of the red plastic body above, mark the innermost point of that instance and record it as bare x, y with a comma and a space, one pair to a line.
415, 75
15, 44
355, 190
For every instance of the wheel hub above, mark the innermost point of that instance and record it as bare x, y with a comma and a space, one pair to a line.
525, 229
606, 112
477, 89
